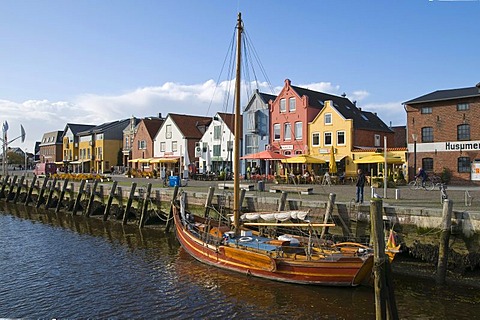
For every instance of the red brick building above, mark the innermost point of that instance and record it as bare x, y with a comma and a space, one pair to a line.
142, 146
441, 133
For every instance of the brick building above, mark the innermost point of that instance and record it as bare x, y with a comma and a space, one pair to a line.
441, 133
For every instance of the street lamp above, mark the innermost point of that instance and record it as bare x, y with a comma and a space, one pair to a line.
6, 142
414, 137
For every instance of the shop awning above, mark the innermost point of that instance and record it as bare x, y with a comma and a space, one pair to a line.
165, 160
146, 160
326, 157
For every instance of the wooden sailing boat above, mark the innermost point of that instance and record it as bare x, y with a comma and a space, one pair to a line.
286, 258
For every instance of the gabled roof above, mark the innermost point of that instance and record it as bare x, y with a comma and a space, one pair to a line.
105, 127
188, 124
265, 97
76, 128
361, 119
49, 138
229, 120
449, 94
152, 125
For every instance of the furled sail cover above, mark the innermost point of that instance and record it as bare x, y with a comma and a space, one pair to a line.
278, 216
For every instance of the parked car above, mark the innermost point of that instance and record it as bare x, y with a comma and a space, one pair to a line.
45, 169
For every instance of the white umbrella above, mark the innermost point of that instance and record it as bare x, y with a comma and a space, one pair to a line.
186, 162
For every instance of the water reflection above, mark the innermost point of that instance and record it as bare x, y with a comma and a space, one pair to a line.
59, 265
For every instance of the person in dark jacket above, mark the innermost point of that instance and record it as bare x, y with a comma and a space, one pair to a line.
360, 185
423, 175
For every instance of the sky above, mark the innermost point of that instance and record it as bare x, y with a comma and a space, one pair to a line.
90, 61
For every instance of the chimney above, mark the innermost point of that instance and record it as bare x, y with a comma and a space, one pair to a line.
355, 103
478, 87
160, 115
344, 94
360, 109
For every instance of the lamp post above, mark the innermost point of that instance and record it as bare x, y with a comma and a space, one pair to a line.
414, 137
26, 162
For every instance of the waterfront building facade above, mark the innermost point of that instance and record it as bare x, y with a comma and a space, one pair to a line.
256, 119
142, 146
51, 147
70, 148
441, 133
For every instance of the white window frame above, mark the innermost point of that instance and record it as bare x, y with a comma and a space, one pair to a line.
292, 102
344, 138
329, 116
377, 140
162, 146
287, 131
276, 128
283, 105
298, 131
325, 138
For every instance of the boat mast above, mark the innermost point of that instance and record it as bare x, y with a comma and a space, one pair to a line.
236, 146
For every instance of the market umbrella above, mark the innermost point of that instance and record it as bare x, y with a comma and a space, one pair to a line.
379, 158
303, 158
332, 165
264, 155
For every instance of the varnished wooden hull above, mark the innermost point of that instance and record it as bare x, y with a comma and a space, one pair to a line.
331, 271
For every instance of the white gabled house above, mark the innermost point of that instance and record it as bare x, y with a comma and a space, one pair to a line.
175, 141
215, 149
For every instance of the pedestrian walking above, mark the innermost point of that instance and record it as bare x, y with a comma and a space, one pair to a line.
360, 185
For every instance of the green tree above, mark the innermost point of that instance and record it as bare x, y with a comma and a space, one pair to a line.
15, 158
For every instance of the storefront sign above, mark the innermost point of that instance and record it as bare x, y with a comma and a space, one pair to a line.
446, 146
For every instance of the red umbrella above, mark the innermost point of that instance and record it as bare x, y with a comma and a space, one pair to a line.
264, 155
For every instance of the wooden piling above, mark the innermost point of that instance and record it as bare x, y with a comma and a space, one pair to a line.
106, 213
283, 201
30, 190
146, 200
385, 304
62, 194
444, 240
129, 203
78, 198
50, 193
4, 184
41, 193
328, 213
243, 192
19, 189
91, 199
170, 213
11, 189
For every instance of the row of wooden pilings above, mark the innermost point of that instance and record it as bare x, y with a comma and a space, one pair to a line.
47, 191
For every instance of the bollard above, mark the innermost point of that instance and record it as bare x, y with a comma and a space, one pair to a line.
372, 193
397, 194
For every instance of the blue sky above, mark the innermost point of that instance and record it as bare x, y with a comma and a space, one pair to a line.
94, 61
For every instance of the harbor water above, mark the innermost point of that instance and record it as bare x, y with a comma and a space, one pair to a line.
63, 266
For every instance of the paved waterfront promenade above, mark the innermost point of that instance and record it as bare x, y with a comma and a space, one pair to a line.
345, 193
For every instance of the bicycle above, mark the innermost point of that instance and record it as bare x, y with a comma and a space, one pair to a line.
417, 184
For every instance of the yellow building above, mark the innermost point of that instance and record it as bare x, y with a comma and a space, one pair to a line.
70, 144
342, 127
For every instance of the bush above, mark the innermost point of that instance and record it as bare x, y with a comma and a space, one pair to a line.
446, 175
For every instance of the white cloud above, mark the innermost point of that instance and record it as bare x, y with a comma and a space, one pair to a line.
326, 87
359, 95
389, 111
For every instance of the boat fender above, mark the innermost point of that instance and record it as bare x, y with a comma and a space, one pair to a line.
245, 239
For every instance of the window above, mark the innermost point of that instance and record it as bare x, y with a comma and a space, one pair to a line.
162, 146
298, 130
217, 132
463, 132
142, 144
276, 131
340, 138
315, 139
217, 150
426, 110
427, 164
427, 134
376, 140
328, 118
464, 164
283, 107
126, 143
287, 131
327, 138
174, 146
463, 106
251, 143
168, 131
291, 104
